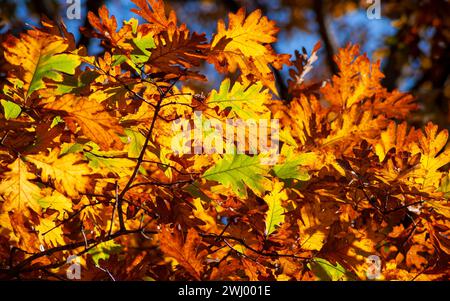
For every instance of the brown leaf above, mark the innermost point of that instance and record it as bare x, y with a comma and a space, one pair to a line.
185, 251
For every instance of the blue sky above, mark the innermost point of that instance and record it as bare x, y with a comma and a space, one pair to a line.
376, 29
353, 27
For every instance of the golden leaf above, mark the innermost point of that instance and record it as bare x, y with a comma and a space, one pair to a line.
19, 192
358, 79
393, 136
56, 201
49, 234
245, 44
430, 145
275, 214
69, 173
95, 123
36, 55
185, 252
314, 226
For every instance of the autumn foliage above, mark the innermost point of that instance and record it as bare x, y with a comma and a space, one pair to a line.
87, 166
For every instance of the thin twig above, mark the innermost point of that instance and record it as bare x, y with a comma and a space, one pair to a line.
140, 158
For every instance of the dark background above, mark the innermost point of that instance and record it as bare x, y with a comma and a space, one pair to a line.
411, 38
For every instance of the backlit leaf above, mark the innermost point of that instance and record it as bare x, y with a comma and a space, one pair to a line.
69, 173
245, 101
185, 251
95, 123
275, 214
18, 190
11, 109
237, 171
245, 44
38, 55
49, 233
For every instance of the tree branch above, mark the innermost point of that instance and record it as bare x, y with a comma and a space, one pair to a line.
141, 155
323, 31
19, 268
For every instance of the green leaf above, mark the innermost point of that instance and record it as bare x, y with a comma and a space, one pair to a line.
326, 271
238, 170
445, 186
56, 201
119, 59
275, 214
37, 55
57, 120
69, 148
241, 249
11, 109
136, 141
140, 53
75, 83
245, 101
50, 65
104, 250
143, 44
113, 161
290, 169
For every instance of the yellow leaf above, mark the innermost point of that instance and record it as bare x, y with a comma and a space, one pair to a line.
18, 190
39, 55
69, 173
245, 45
313, 226
430, 145
441, 207
22, 235
56, 201
199, 212
49, 234
393, 136
246, 101
275, 214
105, 162
95, 123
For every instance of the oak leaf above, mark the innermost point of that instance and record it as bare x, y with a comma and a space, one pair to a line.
245, 44
49, 233
433, 155
314, 225
184, 251
35, 56
393, 137
238, 170
107, 29
56, 201
18, 190
290, 168
358, 79
245, 100
275, 214
154, 12
68, 173
176, 52
92, 118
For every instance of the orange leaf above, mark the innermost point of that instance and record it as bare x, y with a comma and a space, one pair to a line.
185, 252
177, 51
153, 11
95, 123
245, 44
